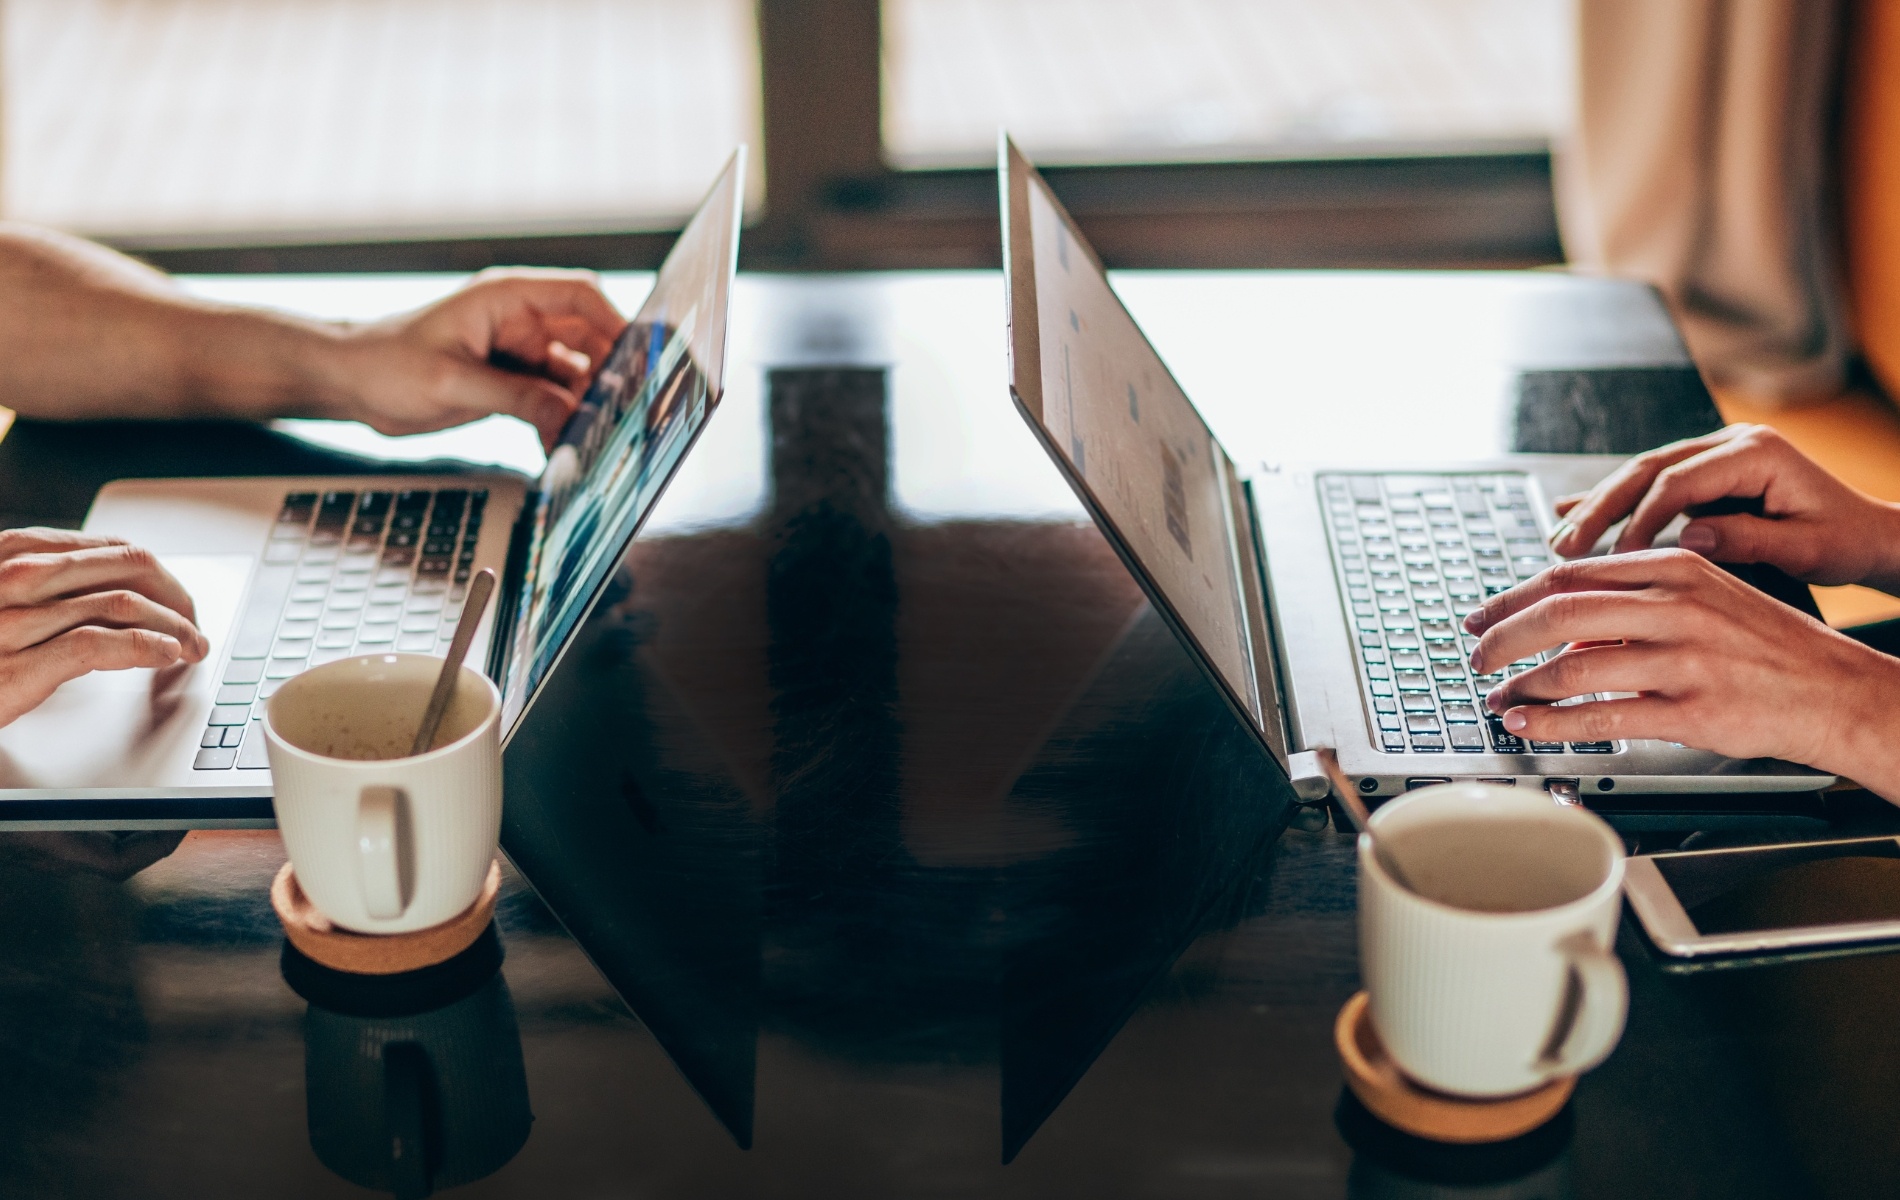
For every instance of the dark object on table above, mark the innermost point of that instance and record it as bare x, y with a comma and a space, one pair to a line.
1610, 410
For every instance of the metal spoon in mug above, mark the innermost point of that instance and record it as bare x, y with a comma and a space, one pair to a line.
479, 589
1355, 807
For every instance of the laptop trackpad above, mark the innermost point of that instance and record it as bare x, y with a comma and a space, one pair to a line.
116, 729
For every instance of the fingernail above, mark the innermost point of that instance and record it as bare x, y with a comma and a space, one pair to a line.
1560, 533
1477, 662
1699, 538
1515, 721
1494, 699
1474, 621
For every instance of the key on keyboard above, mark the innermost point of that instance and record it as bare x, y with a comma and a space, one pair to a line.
342, 574
1415, 555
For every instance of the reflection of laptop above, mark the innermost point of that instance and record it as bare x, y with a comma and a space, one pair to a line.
1326, 605
291, 573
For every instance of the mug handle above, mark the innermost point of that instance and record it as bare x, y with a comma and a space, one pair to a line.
411, 1112
380, 852
1590, 1016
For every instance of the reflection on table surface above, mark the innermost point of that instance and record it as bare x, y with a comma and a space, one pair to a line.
923, 762
882, 842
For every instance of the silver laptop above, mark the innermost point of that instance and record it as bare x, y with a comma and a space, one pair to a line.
289, 573
1326, 605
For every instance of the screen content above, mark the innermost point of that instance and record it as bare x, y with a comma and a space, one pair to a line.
1134, 442
1787, 887
646, 404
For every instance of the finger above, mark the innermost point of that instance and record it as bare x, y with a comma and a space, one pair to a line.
536, 353
29, 677
1622, 572
1597, 720
1565, 503
1734, 469
582, 338
568, 367
564, 291
21, 628
566, 356
1636, 616
40, 540
1616, 497
30, 579
1740, 538
542, 403
1584, 672
527, 304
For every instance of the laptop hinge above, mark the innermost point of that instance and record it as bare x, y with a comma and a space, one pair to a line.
1317, 776
508, 594
1254, 558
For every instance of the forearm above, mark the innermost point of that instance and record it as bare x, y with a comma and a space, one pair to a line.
87, 334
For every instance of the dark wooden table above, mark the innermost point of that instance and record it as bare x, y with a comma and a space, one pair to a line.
882, 843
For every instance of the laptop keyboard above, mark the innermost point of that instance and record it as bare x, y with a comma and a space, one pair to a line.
1414, 555
343, 573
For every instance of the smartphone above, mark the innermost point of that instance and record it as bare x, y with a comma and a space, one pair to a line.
1754, 900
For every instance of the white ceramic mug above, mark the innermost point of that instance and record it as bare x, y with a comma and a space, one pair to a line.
382, 841
1493, 972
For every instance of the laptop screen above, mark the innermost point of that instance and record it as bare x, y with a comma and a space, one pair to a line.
1127, 437
646, 406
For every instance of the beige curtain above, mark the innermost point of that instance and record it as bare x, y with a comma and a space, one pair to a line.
1701, 161
3, 115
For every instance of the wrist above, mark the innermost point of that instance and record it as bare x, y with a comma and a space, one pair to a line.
255, 365
1882, 537
1860, 745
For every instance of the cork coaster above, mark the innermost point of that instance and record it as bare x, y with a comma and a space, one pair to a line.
1396, 1100
378, 954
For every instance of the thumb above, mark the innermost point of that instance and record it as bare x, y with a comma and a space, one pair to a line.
1741, 538
542, 403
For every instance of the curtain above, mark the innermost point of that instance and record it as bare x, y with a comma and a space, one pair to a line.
1701, 160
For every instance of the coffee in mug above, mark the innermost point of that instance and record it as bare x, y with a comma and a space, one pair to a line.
1490, 970
382, 841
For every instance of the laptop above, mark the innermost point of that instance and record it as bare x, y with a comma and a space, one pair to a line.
1325, 604
290, 573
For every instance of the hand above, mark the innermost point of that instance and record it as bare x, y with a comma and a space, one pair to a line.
1812, 526
515, 341
116, 856
1715, 664
71, 603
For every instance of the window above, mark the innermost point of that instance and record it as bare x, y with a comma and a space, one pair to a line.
1096, 81
266, 118
214, 136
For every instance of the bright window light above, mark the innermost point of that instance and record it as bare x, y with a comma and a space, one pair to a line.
1161, 80
273, 117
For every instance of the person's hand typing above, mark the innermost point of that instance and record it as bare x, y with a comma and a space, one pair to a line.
1812, 526
72, 603
522, 342
1714, 664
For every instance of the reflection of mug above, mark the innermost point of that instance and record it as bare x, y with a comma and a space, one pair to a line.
1491, 973
383, 842
415, 1101
1388, 1164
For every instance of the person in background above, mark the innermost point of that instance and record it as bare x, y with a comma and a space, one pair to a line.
88, 334
1712, 662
